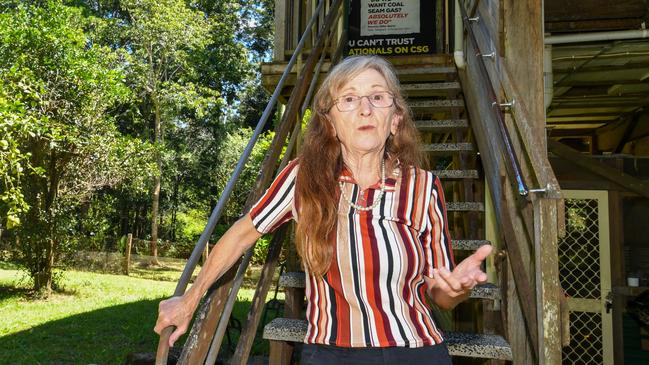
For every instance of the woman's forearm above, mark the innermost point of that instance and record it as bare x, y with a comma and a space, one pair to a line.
225, 253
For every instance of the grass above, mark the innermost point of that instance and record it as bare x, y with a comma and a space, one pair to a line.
96, 318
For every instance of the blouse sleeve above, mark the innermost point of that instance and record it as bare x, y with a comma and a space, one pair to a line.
276, 206
438, 250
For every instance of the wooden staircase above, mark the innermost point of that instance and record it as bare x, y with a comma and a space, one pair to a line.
525, 194
436, 99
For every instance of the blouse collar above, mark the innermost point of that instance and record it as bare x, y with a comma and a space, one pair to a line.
390, 182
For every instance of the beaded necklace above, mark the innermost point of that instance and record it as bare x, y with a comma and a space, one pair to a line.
377, 200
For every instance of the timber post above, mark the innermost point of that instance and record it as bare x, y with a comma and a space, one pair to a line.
127, 254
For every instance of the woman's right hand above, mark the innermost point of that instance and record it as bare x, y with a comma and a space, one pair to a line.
178, 311
175, 311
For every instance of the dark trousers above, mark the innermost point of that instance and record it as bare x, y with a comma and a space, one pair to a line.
332, 355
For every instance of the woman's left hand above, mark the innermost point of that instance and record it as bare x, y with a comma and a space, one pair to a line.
449, 288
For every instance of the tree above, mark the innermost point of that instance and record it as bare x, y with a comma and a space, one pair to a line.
165, 38
65, 85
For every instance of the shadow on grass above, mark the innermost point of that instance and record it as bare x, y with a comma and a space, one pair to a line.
7, 292
103, 336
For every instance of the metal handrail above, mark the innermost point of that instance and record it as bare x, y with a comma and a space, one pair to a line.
163, 348
229, 305
511, 154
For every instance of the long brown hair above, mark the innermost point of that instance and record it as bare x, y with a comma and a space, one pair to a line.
320, 161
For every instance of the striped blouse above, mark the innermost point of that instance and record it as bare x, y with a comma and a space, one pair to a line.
374, 292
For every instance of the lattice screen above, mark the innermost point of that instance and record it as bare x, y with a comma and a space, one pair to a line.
579, 272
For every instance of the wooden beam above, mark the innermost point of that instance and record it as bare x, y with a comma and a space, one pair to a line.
630, 183
641, 67
578, 10
280, 30
630, 127
249, 331
200, 336
592, 25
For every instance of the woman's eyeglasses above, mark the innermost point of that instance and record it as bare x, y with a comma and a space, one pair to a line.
347, 103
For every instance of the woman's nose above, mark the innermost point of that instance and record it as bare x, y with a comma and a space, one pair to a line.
365, 107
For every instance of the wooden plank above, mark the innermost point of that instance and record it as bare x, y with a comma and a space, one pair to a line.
579, 10
127, 259
628, 131
628, 182
280, 30
593, 25
281, 353
504, 200
200, 336
548, 287
267, 172
295, 18
522, 352
244, 345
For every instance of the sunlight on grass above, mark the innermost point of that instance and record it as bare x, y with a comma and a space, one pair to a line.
82, 292
95, 318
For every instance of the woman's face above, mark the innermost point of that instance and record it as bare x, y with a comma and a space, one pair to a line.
366, 128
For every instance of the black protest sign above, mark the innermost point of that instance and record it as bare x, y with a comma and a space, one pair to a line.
389, 27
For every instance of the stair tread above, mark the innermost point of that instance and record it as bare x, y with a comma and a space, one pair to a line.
486, 291
426, 70
484, 346
468, 244
443, 124
447, 147
441, 103
464, 206
297, 279
430, 86
456, 174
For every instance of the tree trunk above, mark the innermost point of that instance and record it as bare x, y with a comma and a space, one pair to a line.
174, 208
155, 198
43, 278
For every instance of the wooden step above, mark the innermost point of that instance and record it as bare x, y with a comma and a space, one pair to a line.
459, 344
298, 280
444, 125
464, 207
486, 291
447, 148
293, 279
468, 245
432, 106
426, 73
430, 88
456, 174
478, 345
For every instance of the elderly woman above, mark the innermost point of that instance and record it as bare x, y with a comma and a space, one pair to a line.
371, 229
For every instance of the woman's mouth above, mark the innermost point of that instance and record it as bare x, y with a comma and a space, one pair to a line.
366, 128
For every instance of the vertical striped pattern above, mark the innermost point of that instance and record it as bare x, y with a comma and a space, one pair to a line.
373, 294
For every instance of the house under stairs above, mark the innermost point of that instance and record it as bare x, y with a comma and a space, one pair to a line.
488, 150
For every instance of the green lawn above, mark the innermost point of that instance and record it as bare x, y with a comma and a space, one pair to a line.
96, 319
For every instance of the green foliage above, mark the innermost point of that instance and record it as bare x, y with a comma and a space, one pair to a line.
261, 250
82, 85
66, 87
228, 155
15, 125
189, 226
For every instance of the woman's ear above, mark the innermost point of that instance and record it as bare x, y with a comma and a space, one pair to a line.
394, 124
